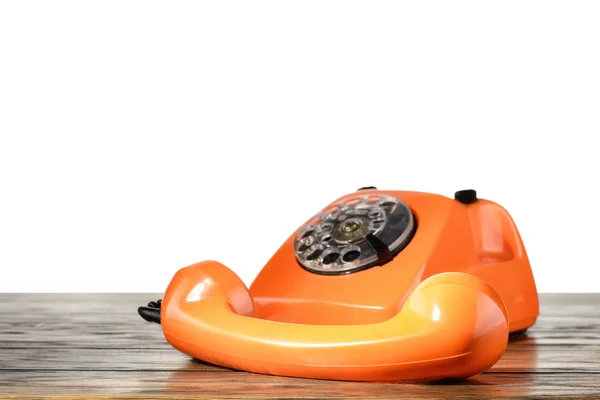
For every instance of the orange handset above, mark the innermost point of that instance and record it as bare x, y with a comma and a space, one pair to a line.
379, 285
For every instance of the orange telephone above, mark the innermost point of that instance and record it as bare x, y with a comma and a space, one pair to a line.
379, 285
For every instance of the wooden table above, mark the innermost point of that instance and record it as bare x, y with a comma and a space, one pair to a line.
87, 345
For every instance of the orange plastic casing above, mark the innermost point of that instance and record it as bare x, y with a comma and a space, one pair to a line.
442, 308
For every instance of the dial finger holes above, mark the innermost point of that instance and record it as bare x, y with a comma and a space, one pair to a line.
375, 214
358, 211
316, 221
330, 256
326, 238
308, 231
375, 225
373, 199
305, 243
314, 252
326, 227
327, 216
351, 253
388, 200
331, 210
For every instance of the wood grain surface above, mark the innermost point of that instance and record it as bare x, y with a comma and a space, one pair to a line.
73, 346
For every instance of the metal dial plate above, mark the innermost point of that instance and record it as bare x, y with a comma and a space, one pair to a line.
357, 233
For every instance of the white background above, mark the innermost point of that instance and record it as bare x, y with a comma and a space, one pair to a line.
137, 137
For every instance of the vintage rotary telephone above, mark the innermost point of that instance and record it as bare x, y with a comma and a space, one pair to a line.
379, 285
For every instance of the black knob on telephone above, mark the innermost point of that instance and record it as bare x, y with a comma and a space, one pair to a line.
467, 196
